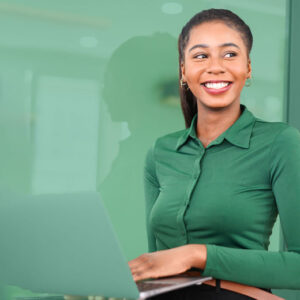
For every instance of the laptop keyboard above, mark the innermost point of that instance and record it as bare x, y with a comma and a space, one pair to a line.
145, 286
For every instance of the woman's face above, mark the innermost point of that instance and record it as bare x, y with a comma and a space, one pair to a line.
216, 64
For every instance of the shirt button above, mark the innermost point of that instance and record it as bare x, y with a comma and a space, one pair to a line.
195, 176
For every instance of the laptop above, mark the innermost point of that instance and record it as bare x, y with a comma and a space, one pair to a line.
65, 244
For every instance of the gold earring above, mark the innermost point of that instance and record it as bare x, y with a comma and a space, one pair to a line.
248, 82
183, 84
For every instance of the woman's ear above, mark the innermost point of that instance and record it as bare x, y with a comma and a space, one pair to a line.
182, 72
249, 72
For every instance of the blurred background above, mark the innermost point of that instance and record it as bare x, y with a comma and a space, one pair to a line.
87, 86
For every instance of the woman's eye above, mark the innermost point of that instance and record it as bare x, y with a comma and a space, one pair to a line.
229, 54
200, 56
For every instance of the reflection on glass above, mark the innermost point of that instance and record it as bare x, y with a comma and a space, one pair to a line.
137, 89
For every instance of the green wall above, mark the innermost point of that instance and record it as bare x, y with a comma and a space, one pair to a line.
294, 65
86, 88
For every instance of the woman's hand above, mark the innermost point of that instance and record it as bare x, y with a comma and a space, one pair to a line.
168, 262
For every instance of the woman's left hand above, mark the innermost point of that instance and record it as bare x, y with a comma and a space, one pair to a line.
167, 262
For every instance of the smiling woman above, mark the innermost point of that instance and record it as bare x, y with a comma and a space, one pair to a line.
215, 70
217, 66
213, 191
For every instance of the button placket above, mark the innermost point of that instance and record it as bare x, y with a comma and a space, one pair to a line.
196, 175
189, 191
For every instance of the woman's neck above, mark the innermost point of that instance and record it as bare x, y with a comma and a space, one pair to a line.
211, 123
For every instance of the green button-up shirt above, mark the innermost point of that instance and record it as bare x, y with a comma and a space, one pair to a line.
228, 196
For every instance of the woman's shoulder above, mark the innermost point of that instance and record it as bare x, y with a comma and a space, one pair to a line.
170, 140
165, 143
275, 129
278, 133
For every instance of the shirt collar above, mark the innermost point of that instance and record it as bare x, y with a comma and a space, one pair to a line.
238, 133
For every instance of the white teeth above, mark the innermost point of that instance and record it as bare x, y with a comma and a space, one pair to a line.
215, 85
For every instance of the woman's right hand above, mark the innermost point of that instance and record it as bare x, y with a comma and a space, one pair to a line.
168, 262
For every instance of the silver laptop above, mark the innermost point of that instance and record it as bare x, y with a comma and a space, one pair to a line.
65, 244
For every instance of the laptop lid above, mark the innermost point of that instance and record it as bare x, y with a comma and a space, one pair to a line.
62, 244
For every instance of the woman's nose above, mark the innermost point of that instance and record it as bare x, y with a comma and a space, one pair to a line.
215, 66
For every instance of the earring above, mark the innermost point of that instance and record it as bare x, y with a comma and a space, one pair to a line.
248, 82
183, 84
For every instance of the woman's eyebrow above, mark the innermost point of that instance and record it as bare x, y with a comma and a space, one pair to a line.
207, 46
229, 45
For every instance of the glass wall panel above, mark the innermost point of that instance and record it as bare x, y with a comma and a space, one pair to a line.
86, 87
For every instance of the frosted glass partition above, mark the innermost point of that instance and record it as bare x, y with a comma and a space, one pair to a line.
86, 88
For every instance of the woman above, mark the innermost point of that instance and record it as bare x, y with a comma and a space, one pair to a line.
213, 191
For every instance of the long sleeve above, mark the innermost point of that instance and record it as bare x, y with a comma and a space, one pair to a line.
151, 188
259, 267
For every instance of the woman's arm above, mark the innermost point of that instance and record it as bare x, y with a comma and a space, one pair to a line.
258, 267
151, 188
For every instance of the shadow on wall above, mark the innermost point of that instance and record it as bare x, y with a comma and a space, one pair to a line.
140, 88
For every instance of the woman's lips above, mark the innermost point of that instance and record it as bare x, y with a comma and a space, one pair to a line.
216, 91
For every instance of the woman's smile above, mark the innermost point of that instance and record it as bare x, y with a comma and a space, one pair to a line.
216, 87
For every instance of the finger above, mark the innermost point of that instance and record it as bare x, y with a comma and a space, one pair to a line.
138, 277
132, 263
144, 274
139, 266
139, 269
135, 262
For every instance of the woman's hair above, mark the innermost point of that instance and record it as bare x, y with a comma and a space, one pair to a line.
187, 99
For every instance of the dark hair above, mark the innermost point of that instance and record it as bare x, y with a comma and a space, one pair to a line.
187, 99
